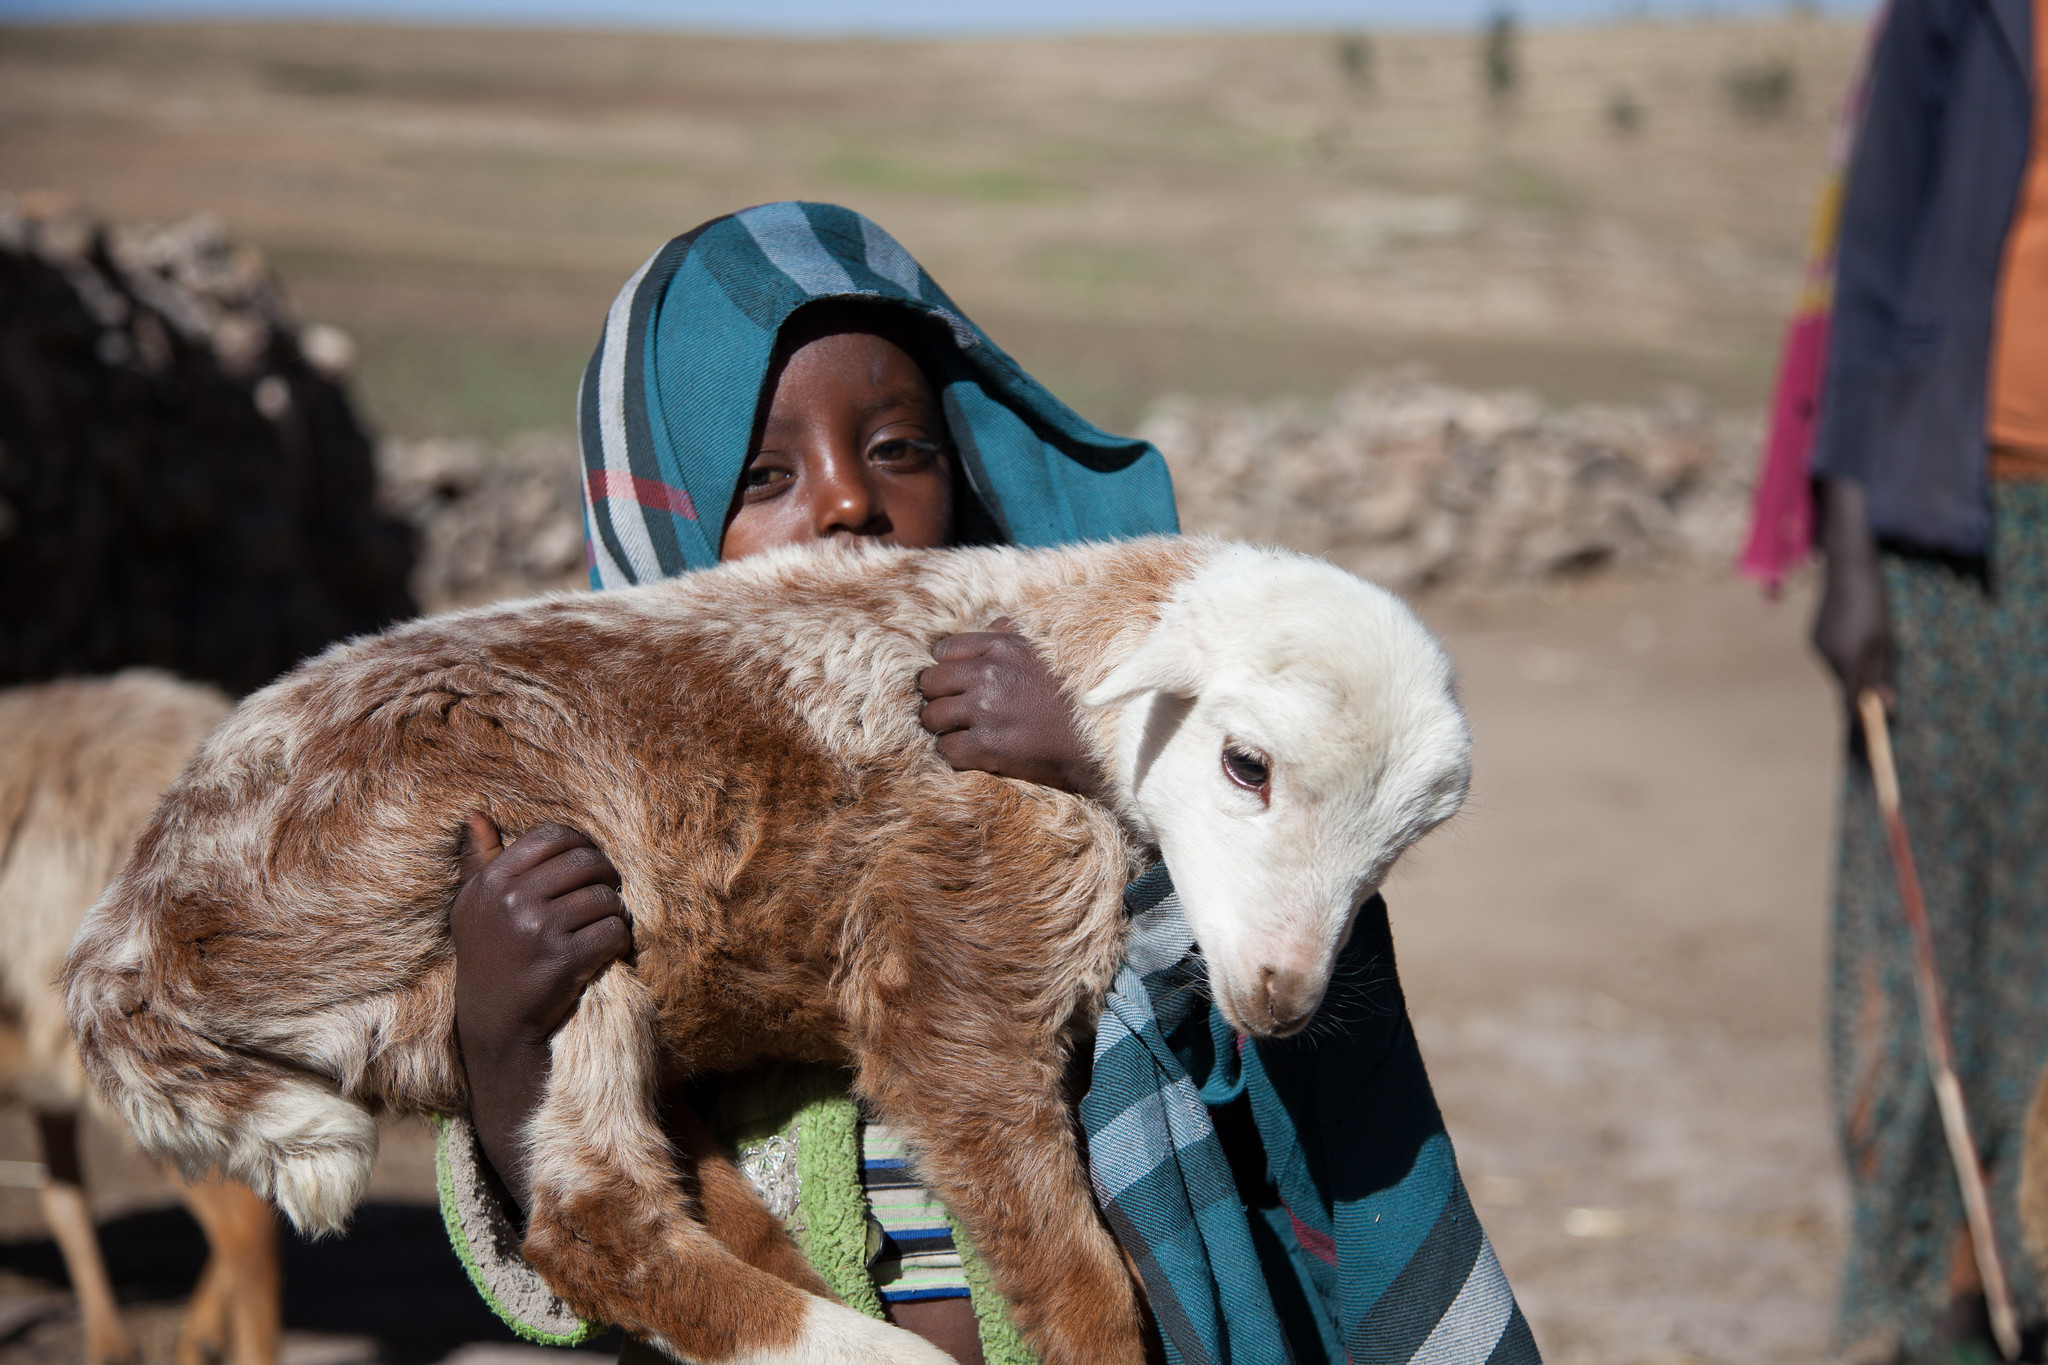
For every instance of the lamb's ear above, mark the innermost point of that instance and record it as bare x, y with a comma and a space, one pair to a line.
1169, 661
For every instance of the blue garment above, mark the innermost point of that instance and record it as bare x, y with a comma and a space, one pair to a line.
1292, 1202
1932, 186
668, 402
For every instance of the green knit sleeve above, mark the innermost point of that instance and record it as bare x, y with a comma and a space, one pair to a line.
1001, 1342
834, 1232
486, 1240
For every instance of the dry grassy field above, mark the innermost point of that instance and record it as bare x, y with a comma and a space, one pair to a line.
1233, 213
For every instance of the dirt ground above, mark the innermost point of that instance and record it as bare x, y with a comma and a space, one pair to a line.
1614, 958
1615, 961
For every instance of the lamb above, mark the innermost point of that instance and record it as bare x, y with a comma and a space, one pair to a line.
81, 765
808, 881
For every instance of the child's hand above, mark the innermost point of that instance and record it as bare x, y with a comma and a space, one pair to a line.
997, 708
533, 923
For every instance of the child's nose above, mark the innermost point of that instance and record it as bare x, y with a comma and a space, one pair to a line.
849, 503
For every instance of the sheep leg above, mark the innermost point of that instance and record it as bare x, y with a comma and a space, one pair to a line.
203, 1330
997, 1144
614, 1234
70, 1219
236, 1313
728, 1207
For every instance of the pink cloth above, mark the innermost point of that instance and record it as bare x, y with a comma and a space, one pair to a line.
1781, 515
1781, 518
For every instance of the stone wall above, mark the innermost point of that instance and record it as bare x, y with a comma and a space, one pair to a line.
1417, 484
492, 521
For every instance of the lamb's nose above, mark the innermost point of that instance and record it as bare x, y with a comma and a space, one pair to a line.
1284, 1000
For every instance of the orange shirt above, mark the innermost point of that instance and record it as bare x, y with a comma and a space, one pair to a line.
2019, 345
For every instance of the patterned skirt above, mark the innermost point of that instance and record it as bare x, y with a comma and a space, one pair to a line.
1971, 736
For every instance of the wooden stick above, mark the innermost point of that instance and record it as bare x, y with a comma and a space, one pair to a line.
1934, 1033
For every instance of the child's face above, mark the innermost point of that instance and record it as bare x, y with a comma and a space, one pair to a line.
853, 448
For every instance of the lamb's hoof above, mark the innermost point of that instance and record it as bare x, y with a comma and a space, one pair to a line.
112, 1348
837, 1335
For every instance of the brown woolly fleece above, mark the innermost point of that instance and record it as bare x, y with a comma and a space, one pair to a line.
807, 879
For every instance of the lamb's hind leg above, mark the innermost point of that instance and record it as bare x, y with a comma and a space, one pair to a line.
734, 1214
612, 1233
997, 1144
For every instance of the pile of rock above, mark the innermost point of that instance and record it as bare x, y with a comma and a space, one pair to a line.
492, 522
1412, 483
1416, 484
183, 481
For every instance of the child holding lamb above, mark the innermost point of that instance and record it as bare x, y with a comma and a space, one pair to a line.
789, 374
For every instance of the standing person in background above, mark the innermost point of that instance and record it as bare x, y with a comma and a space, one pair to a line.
1930, 469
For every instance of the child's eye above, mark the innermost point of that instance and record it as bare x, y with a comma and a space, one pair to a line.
905, 452
763, 476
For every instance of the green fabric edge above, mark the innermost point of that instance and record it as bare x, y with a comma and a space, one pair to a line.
1001, 1342
834, 1237
833, 1231
451, 1219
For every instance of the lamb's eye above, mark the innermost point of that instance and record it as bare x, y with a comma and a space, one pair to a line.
1247, 770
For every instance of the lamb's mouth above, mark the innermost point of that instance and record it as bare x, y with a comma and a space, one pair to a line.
1257, 1013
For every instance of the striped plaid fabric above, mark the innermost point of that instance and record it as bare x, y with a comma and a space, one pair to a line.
667, 406
1360, 1245
917, 1258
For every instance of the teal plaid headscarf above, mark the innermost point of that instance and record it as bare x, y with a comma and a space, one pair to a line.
668, 401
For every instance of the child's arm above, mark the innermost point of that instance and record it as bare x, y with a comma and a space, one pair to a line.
533, 923
997, 708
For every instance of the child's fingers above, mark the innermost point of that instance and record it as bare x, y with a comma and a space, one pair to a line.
996, 663
571, 870
582, 956
947, 715
537, 846
585, 906
597, 944
962, 751
948, 679
972, 645
479, 843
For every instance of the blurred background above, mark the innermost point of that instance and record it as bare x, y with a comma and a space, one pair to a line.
1484, 303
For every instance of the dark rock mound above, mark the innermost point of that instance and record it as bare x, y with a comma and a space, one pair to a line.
183, 482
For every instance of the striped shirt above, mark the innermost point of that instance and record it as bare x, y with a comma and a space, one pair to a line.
911, 1242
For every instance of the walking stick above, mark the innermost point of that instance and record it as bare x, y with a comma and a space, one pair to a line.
1948, 1091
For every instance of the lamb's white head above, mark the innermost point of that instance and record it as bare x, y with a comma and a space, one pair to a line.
1286, 732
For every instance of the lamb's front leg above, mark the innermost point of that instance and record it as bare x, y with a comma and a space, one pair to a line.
611, 1231
996, 1143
